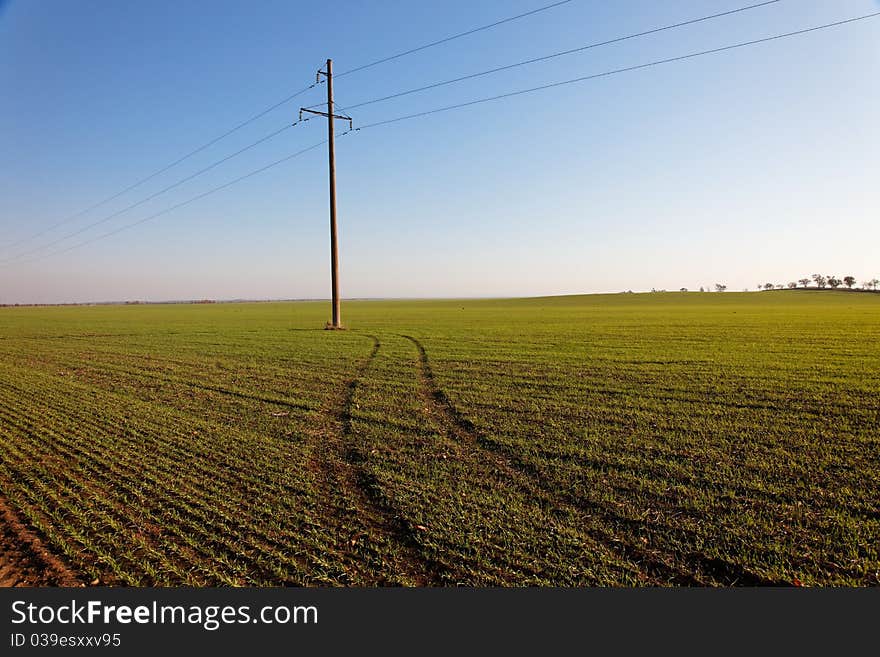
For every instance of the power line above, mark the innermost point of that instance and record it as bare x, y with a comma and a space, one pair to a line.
453, 38
270, 109
461, 105
617, 71
558, 54
183, 203
153, 195
163, 169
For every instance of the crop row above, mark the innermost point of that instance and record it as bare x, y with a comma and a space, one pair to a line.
185, 479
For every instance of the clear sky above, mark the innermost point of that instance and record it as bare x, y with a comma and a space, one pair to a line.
754, 165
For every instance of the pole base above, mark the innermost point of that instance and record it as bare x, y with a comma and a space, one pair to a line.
330, 327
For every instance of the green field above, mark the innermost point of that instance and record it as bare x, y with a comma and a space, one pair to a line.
653, 439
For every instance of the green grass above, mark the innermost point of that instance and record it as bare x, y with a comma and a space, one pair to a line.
613, 439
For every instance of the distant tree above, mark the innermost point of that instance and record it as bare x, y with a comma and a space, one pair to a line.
768, 286
780, 286
792, 285
820, 280
849, 281
701, 289
874, 283
720, 288
805, 282
684, 289
834, 282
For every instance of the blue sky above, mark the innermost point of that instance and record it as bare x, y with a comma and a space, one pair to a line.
742, 167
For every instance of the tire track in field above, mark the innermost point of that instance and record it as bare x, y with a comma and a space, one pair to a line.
462, 430
24, 559
658, 563
361, 518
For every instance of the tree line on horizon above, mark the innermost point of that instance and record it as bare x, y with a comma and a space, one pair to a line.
822, 282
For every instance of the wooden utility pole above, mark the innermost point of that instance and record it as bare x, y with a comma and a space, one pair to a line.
334, 249
331, 144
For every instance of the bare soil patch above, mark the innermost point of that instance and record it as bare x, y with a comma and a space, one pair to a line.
24, 559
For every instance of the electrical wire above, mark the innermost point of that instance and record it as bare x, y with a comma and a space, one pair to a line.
183, 203
153, 195
451, 38
545, 58
266, 111
163, 169
618, 71
461, 105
